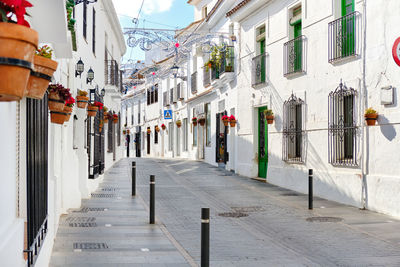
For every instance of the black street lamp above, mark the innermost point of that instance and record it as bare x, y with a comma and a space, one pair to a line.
103, 92
90, 76
79, 68
175, 69
85, 1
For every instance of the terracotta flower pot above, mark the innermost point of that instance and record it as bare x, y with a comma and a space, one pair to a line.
81, 101
195, 123
100, 128
40, 77
226, 122
58, 117
232, 123
17, 48
115, 120
202, 122
55, 102
371, 119
163, 127
67, 110
157, 129
92, 110
270, 119
179, 125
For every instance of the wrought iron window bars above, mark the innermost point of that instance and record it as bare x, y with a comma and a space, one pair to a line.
294, 60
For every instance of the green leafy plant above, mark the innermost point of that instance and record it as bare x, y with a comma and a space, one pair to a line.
45, 51
268, 112
71, 22
82, 93
216, 58
370, 111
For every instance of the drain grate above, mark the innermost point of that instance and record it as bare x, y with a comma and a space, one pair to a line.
324, 219
109, 189
91, 246
87, 209
233, 214
102, 195
290, 194
83, 224
225, 174
81, 219
248, 209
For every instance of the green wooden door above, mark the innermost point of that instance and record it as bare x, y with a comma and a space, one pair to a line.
262, 144
348, 28
262, 51
297, 46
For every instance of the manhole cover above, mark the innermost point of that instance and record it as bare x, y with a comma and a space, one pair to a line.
90, 246
81, 219
247, 209
324, 219
233, 214
289, 194
83, 225
87, 209
100, 195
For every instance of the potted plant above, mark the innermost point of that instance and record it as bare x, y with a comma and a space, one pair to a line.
202, 121
82, 99
232, 121
59, 116
269, 116
225, 119
93, 108
123, 131
194, 121
148, 130
178, 123
101, 124
69, 104
157, 129
44, 70
115, 118
105, 114
371, 116
17, 48
163, 126
56, 100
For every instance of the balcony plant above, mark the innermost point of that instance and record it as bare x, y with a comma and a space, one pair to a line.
82, 99
232, 121
93, 108
163, 126
115, 118
178, 123
44, 69
71, 22
215, 60
194, 121
269, 116
58, 94
225, 120
17, 48
371, 116
69, 104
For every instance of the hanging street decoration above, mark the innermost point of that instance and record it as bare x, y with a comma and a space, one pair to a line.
396, 51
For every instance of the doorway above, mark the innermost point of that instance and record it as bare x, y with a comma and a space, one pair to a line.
138, 143
262, 144
148, 140
221, 149
178, 142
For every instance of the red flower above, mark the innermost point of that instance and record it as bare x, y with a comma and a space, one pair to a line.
70, 101
98, 104
225, 118
17, 7
232, 118
115, 116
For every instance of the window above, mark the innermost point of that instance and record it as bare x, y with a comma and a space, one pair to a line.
208, 124
258, 62
110, 136
148, 97
194, 130
155, 136
171, 95
156, 93
94, 32
119, 130
293, 130
84, 19
185, 134
342, 127
170, 136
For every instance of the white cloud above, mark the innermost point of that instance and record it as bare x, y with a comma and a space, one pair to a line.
131, 7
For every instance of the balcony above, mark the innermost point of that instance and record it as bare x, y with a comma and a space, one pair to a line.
258, 70
344, 37
193, 84
227, 70
295, 56
111, 73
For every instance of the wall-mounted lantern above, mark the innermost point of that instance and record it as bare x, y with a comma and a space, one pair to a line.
79, 68
90, 76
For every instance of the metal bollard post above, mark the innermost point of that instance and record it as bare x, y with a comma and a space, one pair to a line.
205, 237
152, 198
310, 189
133, 178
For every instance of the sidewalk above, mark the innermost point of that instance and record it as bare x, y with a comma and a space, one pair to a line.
112, 229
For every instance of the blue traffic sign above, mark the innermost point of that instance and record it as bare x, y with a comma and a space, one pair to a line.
168, 114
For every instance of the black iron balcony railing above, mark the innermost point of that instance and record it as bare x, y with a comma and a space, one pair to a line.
206, 76
193, 84
111, 73
228, 60
344, 37
259, 70
214, 74
294, 56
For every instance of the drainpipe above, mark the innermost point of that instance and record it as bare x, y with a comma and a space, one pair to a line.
364, 104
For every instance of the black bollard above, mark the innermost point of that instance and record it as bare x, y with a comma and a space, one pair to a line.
310, 189
133, 178
205, 237
152, 198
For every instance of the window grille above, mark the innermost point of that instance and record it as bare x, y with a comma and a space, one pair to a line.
119, 130
294, 60
84, 19
155, 136
342, 127
258, 70
110, 136
293, 130
94, 32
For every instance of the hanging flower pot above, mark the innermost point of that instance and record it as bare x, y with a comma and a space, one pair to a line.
55, 102
371, 116
202, 121
179, 123
115, 118
194, 121
163, 126
58, 117
269, 116
44, 68
92, 110
157, 129
148, 131
17, 48
123, 131
105, 114
225, 120
82, 99
232, 121
67, 110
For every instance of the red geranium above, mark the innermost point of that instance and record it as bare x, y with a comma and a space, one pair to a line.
232, 118
70, 102
194, 119
225, 118
98, 104
17, 7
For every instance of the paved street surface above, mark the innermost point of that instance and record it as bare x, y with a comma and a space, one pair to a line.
252, 223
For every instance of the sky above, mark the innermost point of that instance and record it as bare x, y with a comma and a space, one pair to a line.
159, 14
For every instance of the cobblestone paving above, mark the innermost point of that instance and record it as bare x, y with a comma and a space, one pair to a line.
112, 229
275, 231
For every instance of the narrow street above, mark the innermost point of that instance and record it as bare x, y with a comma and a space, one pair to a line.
266, 225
